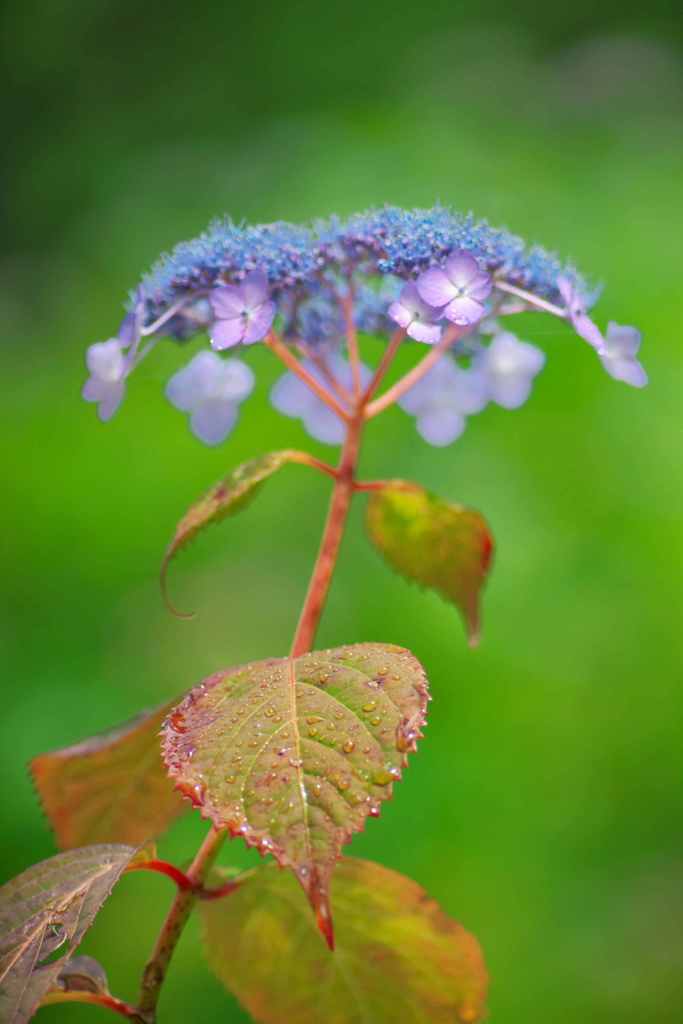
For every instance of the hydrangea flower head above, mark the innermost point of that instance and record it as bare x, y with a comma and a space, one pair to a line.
305, 292
460, 288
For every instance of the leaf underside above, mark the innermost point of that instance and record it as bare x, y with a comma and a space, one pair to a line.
46, 911
436, 543
293, 755
110, 788
398, 956
226, 498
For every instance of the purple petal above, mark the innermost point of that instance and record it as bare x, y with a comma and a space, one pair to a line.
255, 289
110, 401
324, 425
427, 333
464, 311
213, 420
627, 370
259, 322
399, 314
227, 301
510, 391
226, 333
480, 286
441, 427
461, 268
435, 287
94, 389
290, 396
622, 342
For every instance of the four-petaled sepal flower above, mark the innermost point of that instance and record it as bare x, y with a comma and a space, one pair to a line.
509, 366
106, 385
577, 315
619, 357
244, 313
461, 288
443, 398
412, 313
210, 389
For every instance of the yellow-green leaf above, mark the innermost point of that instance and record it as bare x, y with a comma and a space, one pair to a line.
436, 543
294, 754
398, 958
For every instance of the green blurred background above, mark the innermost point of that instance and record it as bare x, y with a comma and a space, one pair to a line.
544, 808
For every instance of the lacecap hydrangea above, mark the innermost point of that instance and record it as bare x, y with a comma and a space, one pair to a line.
431, 278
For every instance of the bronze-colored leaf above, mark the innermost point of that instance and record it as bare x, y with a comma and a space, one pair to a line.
110, 788
399, 957
294, 754
46, 911
434, 542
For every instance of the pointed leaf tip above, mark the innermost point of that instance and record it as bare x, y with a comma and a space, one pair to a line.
435, 543
224, 499
294, 755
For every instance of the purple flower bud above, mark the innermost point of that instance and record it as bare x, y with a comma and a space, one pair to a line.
106, 384
619, 356
576, 313
412, 313
210, 389
460, 287
244, 313
509, 367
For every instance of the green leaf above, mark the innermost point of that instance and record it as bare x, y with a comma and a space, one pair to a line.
110, 788
45, 912
226, 498
293, 755
434, 542
398, 956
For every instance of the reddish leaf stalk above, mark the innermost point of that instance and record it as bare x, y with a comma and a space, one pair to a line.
104, 999
170, 870
181, 908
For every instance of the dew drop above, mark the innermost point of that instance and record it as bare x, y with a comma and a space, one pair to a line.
348, 746
269, 711
376, 720
370, 706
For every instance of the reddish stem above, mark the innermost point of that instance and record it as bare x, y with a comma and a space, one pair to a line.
333, 532
106, 1000
277, 346
164, 868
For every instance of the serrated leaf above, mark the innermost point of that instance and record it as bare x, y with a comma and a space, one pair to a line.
112, 787
436, 543
226, 498
45, 910
294, 754
399, 957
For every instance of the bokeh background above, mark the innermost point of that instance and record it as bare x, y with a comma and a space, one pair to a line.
544, 809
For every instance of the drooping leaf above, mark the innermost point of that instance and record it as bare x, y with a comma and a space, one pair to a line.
226, 498
45, 912
434, 542
110, 788
294, 754
398, 956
